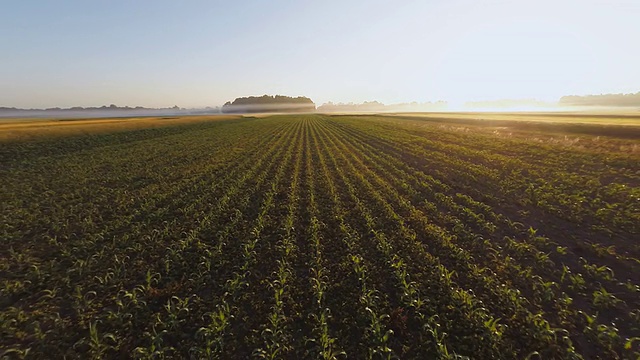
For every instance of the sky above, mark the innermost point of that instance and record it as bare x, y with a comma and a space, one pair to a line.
196, 53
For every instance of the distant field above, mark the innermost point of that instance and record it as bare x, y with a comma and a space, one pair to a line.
411, 236
25, 129
622, 118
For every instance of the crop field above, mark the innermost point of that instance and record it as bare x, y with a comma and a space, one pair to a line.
322, 237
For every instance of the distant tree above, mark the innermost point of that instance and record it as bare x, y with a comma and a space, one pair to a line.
601, 100
267, 103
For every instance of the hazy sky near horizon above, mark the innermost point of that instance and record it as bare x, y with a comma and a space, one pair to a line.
203, 53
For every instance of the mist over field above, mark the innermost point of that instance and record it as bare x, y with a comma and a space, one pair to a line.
598, 104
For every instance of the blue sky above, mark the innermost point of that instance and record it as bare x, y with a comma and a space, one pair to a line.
203, 53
